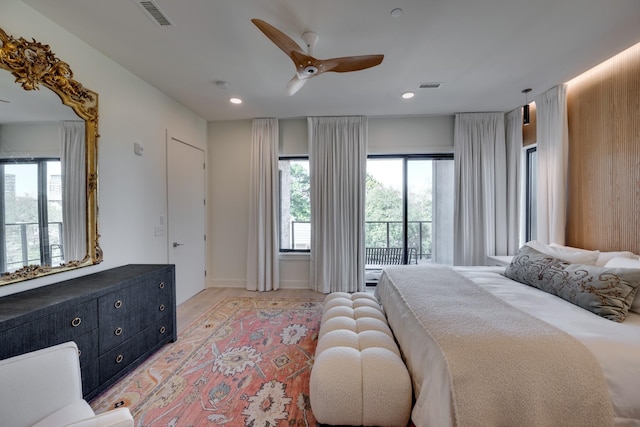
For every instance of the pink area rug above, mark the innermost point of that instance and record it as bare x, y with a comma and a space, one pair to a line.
246, 362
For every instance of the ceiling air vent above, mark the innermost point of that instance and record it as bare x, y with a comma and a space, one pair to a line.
430, 85
153, 11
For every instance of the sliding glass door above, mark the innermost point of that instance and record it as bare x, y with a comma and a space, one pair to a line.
409, 211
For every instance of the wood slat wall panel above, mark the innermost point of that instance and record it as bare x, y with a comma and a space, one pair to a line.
604, 156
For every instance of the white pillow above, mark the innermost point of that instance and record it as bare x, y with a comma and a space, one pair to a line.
567, 248
566, 253
604, 257
621, 262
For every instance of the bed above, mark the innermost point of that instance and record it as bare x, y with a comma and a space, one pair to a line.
438, 392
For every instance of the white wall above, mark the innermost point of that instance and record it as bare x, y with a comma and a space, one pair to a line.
227, 234
19, 140
132, 189
229, 151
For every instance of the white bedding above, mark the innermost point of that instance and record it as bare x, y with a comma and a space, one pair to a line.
616, 346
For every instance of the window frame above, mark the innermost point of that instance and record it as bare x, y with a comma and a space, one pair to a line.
529, 150
405, 189
42, 205
280, 248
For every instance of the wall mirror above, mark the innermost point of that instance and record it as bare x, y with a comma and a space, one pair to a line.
48, 164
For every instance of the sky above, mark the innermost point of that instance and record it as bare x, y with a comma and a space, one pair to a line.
27, 177
389, 172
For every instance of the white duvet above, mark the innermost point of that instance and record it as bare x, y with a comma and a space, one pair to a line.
616, 346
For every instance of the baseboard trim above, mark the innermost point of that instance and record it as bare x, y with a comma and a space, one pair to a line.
242, 284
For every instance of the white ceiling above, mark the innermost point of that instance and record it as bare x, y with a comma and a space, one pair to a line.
483, 51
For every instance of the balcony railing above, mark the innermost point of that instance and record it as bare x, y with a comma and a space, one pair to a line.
22, 243
378, 234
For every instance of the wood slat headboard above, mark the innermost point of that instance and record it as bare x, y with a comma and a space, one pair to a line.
604, 155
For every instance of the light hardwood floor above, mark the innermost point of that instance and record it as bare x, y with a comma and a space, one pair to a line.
196, 306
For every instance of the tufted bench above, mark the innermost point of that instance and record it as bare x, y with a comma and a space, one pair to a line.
358, 377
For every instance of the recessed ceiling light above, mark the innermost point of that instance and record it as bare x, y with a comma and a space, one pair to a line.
235, 100
408, 95
396, 12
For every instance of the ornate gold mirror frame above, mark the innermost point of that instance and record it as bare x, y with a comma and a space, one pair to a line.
33, 64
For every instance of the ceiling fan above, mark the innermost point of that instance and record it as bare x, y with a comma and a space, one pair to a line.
306, 65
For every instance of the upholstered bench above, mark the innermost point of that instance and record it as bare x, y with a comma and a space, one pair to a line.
358, 377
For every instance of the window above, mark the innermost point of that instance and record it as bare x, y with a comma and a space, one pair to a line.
531, 172
295, 204
32, 217
409, 210
409, 206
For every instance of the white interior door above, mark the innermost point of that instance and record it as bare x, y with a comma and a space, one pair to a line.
186, 212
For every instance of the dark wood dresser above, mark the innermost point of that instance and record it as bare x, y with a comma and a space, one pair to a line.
117, 317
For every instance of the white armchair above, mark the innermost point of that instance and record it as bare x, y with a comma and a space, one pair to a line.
44, 389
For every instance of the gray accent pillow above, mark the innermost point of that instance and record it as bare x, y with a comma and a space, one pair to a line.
607, 292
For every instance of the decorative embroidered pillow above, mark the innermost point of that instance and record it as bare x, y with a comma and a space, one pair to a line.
621, 262
607, 292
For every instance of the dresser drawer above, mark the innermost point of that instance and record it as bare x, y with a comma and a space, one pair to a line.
118, 330
88, 347
90, 377
121, 302
159, 285
162, 307
158, 332
24, 338
72, 322
119, 358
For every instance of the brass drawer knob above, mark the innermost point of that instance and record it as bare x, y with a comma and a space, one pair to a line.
119, 358
161, 285
76, 322
163, 329
161, 308
117, 304
118, 331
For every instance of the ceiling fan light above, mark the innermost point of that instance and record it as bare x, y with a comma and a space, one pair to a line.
310, 70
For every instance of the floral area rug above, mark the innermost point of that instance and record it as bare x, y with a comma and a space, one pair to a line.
246, 362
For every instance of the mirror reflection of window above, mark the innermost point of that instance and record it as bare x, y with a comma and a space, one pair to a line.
41, 194
32, 224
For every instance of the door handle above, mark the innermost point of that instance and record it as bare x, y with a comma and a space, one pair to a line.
176, 244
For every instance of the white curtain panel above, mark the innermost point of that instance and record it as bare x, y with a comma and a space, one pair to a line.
514, 179
480, 208
263, 273
553, 153
74, 190
337, 168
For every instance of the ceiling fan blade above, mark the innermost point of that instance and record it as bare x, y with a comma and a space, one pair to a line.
349, 63
295, 84
283, 41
